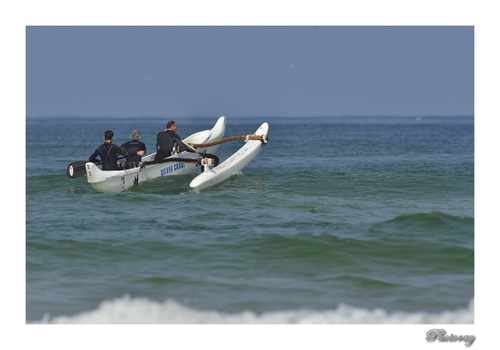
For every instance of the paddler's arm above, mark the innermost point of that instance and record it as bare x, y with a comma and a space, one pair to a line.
183, 147
94, 155
138, 153
121, 151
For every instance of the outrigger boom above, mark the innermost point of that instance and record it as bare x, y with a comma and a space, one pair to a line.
247, 138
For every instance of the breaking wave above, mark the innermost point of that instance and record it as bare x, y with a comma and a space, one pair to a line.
128, 310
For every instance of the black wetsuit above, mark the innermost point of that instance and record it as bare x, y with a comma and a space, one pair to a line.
132, 147
165, 141
107, 152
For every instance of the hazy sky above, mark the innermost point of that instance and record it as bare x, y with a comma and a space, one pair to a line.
249, 71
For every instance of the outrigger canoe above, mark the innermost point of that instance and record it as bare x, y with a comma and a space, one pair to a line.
183, 163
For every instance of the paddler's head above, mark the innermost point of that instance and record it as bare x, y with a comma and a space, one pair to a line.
135, 135
172, 125
108, 136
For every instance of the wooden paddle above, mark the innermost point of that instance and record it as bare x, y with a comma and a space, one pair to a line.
232, 138
182, 160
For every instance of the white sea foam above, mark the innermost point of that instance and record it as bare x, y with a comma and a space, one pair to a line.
128, 310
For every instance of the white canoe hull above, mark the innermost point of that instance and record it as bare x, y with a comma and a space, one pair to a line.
119, 180
233, 165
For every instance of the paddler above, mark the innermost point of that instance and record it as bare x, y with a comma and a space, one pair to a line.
107, 152
167, 140
135, 148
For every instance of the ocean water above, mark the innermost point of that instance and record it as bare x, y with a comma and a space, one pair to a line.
339, 220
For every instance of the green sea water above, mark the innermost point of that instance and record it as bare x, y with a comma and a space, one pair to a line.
335, 214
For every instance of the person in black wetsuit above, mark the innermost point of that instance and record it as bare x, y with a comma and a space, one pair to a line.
135, 148
107, 152
167, 140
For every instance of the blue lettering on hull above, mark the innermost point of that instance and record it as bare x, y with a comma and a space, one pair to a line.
171, 168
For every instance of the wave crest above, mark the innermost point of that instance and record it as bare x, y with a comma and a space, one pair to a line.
128, 310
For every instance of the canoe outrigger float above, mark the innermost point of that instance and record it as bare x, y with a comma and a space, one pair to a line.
234, 164
183, 163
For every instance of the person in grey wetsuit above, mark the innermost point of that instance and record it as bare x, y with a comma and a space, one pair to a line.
107, 152
167, 139
135, 148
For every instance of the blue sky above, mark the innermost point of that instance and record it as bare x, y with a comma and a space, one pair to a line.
245, 71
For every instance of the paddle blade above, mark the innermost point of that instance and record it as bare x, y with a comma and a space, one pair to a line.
76, 169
